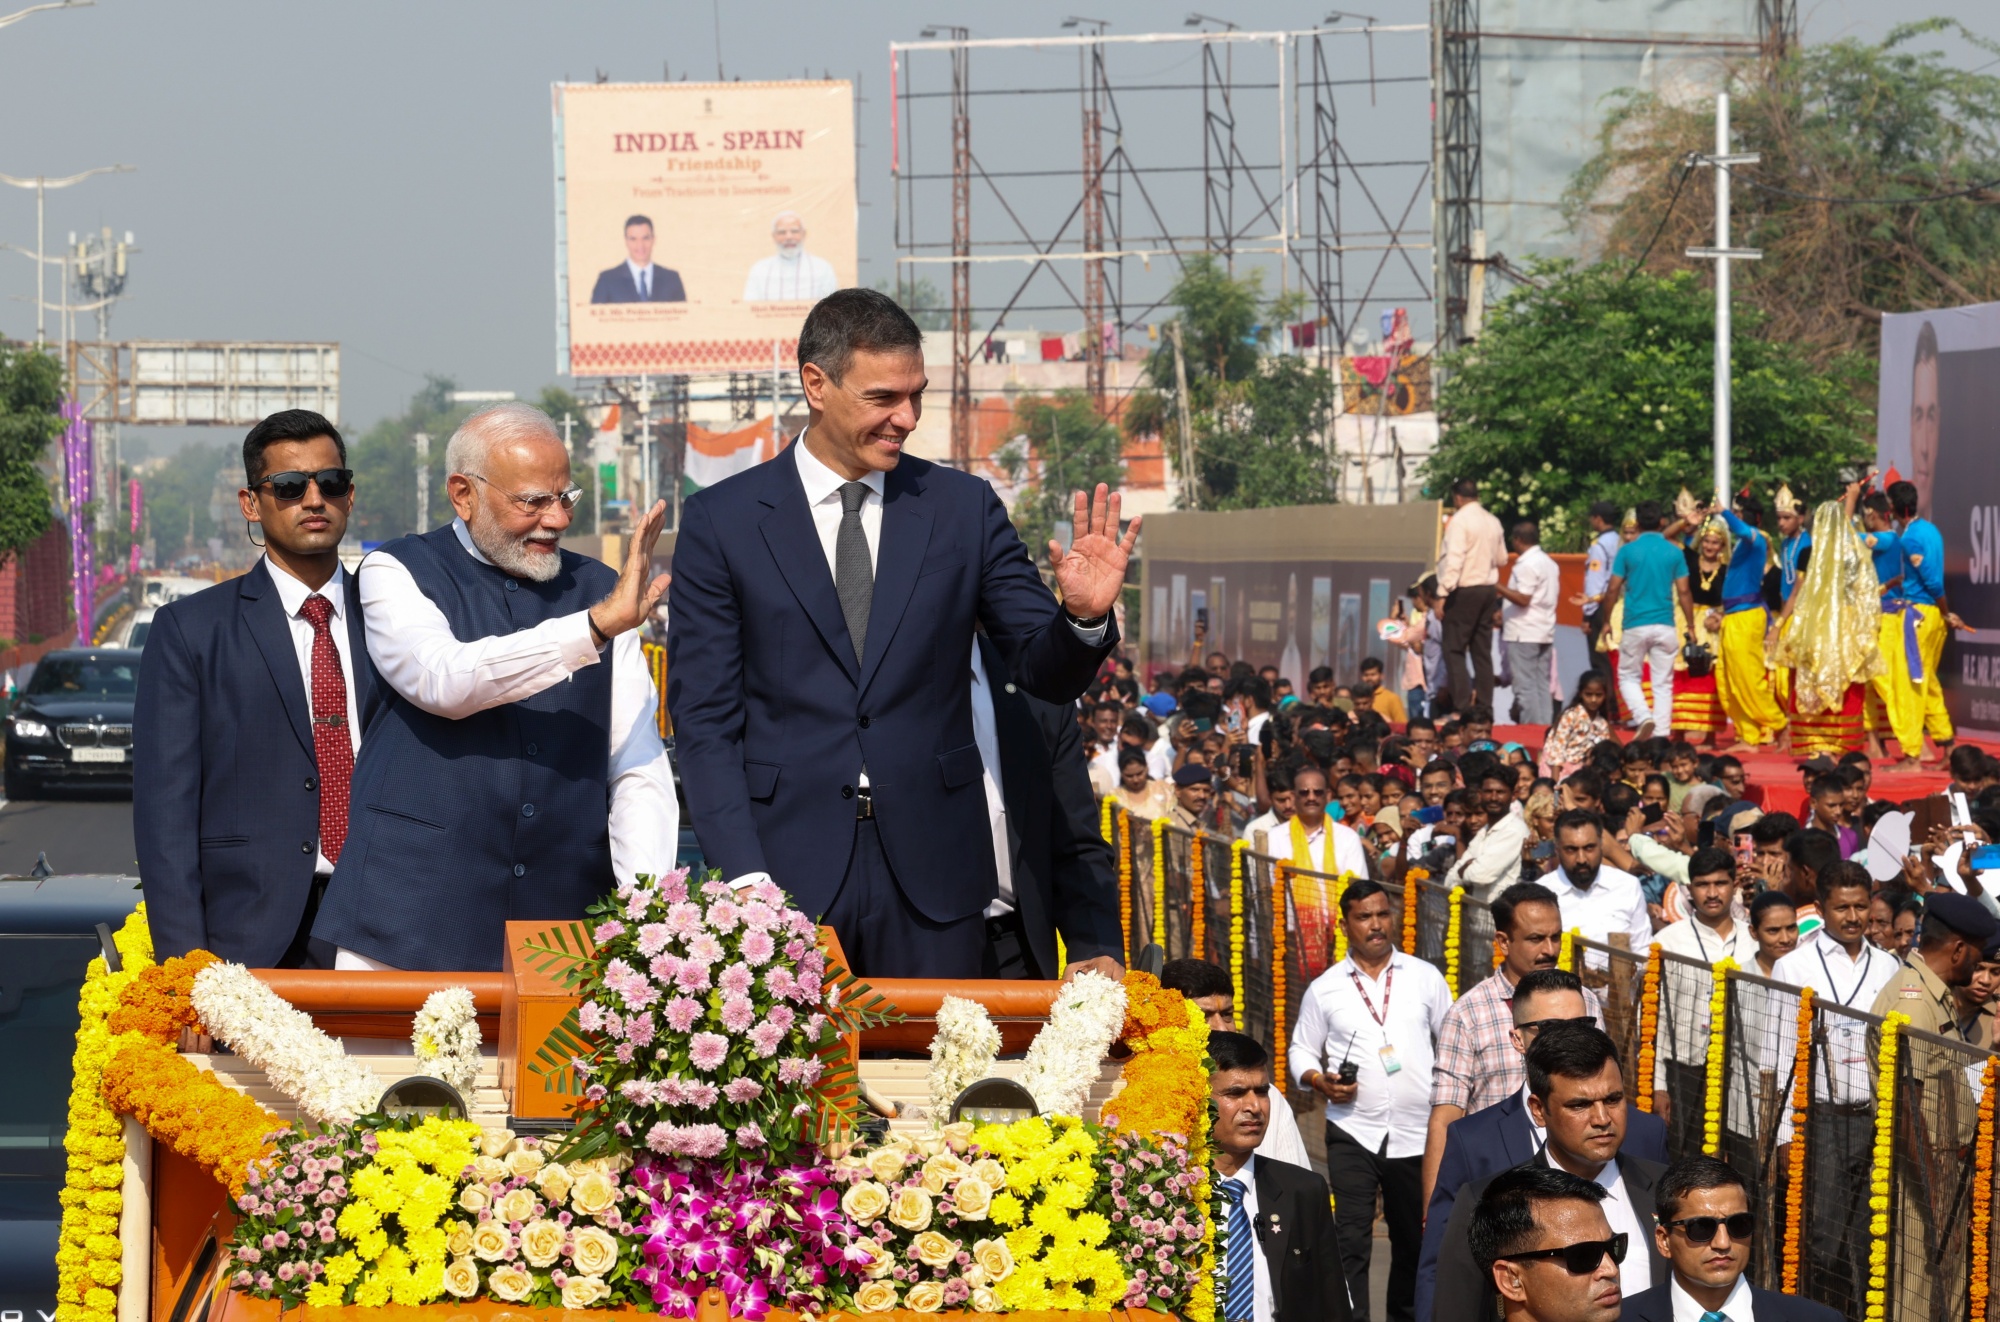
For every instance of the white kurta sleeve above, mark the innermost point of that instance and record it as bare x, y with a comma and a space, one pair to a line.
645, 815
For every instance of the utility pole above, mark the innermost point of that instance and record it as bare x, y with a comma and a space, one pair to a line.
1190, 480
1093, 80
421, 442
1722, 255
41, 183
961, 246
643, 498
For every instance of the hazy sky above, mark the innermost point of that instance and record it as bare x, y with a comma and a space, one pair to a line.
379, 173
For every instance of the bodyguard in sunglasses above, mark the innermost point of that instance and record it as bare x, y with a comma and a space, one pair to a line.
1704, 1227
252, 698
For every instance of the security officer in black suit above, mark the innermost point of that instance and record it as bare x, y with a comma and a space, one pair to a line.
1703, 1226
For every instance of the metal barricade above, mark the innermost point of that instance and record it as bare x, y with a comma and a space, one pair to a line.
1757, 1092
1933, 1170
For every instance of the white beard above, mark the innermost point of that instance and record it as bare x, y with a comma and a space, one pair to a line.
511, 554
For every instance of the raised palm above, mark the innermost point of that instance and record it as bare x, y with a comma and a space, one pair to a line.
1091, 573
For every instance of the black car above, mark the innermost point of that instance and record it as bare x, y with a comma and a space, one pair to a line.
73, 723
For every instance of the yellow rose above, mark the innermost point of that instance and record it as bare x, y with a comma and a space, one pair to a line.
876, 1297
554, 1182
934, 1250
459, 1242
493, 1142
910, 1209
929, 1145
515, 1205
865, 1201
510, 1283
583, 1291
473, 1198
593, 1193
541, 1242
592, 1251
924, 1297
941, 1170
994, 1258
990, 1173
524, 1162
461, 1278
880, 1261
886, 1164
957, 1136
970, 1197
489, 1170
491, 1241
985, 1301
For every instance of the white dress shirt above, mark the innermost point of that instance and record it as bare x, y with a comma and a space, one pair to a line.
417, 655
1635, 1274
1260, 1273
1492, 858
1336, 1025
1282, 1140
1844, 1073
1541, 1132
796, 277
1737, 1308
292, 596
643, 277
985, 733
1350, 857
1536, 577
1269, 824
1684, 1030
1614, 902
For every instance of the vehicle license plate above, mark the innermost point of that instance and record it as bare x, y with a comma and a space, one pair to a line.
97, 755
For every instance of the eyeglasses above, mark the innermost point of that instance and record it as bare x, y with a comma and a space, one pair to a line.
1309, 794
333, 483
536, 502
1537, 1025
1701, 1229
1577, 1259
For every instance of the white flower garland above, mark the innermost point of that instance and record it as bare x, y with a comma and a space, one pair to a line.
300, 1061
962, 1053
446, 1038
1065, 1057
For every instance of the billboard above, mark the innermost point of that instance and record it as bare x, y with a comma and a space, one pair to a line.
191, 383
1938, 425
698, 222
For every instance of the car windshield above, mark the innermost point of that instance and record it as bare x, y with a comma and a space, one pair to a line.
85, 677
139, 632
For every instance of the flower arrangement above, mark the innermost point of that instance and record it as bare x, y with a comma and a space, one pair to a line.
1159, 1194
962, 1053
1198, 886
1795, 1173
1717, 1067
1982, 1192
769, 1233
1880, 1164
1061, 1246
1452, 937
288, 1205
1236, 867
707, 1021
1279, 892
1649, 1028
544, 1233
88, 1268
398, 1249
207, 1121
926, 1237
1125, 877
445, 1034
1412, 894
300, 1061
1158, 929
1065, 1058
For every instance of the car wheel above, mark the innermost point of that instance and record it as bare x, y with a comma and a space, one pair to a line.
20, 785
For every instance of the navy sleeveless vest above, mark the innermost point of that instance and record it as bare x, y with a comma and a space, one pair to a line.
458, 826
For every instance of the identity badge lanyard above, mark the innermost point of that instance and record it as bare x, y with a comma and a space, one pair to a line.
1390, 1063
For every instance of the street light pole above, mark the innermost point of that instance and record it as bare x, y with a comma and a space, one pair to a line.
1722, 255
41, 183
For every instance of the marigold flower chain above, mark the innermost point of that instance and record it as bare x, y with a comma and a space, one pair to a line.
1280, 888
1566, 955
1166, 1086
158, 1004
1198, 886
1649, 1027
297, 1058
1333, 915
1236, 869
207, 1121
1067, 1056
1880, 1166
1452, 936
1717, 1067
1982, 1192
1413, 890
1125, 879
1795, 1190
1157, 932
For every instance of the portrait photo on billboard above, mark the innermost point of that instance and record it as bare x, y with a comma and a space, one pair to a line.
699, 221
1939, 427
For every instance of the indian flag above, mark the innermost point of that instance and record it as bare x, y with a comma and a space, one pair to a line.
714, 455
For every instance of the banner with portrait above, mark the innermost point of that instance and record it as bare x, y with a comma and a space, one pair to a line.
1938, 426
697, 223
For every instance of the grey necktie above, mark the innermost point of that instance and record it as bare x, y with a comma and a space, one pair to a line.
853, 571
645, 285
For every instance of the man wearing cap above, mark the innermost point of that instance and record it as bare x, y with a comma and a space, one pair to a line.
1194, 787
1957, 934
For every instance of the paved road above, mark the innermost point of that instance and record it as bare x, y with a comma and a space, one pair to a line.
80, 831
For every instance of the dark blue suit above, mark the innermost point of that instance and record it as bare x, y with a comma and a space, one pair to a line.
1497, 1138
225, 799
618, 286
774, 719
1657, 1305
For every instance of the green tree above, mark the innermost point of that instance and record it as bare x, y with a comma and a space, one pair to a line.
1844, 119
1061, 446
1259, 422
385, 466
180, 499
31, 383
921, 299
1593, 386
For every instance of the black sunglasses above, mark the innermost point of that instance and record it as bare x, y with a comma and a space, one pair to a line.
1537, 1025
1701, 1229
333, 483
1578, 1259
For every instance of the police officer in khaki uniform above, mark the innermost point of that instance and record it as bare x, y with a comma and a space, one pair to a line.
1938, 1112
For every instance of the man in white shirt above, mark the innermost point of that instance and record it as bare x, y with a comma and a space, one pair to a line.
1600, 900
1331, 848
513, 774
1267, 825
1469, 562
1492, 858
1707, 936
1365, 1038
791, 274
1528, 623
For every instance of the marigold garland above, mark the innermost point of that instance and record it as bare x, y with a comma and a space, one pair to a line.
1453, 934
186, 1108
1718, 1028
88, 1255
1412, 891
1795, 1170
1566, 956
1125, 879
1166, 1088
1158, 931
1338, 915
1280, 884
1198, 886
1236, 868
1879, 1167
1982, 1193
156, 1004
1649, 1027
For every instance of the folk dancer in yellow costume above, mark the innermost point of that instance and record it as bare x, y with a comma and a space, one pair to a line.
1697, 702
1781, 582
1896, 699
1923, 589
1743, 680
1827, 638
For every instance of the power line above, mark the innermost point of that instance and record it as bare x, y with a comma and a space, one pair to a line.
1686, 168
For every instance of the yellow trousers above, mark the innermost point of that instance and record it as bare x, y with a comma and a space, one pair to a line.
1931, 635
1742, 680
1896, 706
